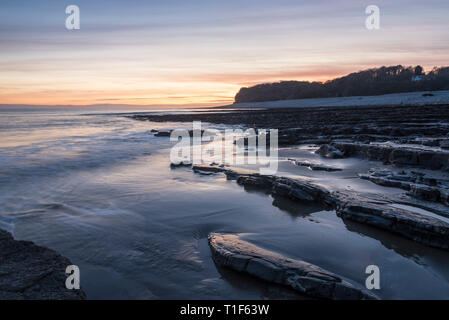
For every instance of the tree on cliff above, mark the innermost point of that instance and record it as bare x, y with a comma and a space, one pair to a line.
383, 80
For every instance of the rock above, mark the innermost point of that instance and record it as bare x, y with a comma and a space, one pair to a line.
425, 192
28, 271
208, 169
385, 182
168, 133
329, 151
417, 227
258, 182
162, 134
180, 164
399, 155
211, 168
324, 125
416, 183
444, 144
300, 194
231, 252
295, 191
314, 166
281, 189
444, 197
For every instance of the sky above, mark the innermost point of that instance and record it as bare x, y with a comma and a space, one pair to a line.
197, 52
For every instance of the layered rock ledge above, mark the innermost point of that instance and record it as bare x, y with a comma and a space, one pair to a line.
231, 252
434, 159
417, 125
349, 205
417, 227
418, 184
313, 166
28, 271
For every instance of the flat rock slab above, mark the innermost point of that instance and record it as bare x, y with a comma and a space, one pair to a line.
313, 166
417, 227
396, 154
28, 271
231, 252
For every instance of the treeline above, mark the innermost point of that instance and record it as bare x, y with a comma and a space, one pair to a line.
369, 82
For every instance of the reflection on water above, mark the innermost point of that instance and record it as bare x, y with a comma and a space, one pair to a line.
108, 200
296, 209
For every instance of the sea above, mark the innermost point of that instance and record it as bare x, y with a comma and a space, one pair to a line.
97, 186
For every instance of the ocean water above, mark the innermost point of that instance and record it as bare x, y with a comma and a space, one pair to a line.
97, 187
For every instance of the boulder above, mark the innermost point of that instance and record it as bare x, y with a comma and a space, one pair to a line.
231, 252
28, 271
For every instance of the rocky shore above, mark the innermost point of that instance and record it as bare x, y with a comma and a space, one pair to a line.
416, 125
409, 143
31, 272
405, 137
231, 252
349, 205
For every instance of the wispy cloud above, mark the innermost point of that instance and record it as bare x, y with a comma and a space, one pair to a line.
186, 52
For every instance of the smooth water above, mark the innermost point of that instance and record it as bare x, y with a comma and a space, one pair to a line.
97, 187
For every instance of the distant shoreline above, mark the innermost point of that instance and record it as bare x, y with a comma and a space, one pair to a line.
405, 99
420, 98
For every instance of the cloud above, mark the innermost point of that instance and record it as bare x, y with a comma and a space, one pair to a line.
196, 51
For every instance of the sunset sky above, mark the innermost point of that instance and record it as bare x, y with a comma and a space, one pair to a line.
190, 52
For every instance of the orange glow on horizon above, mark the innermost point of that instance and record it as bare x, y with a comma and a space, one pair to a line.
201, 53
208, 90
